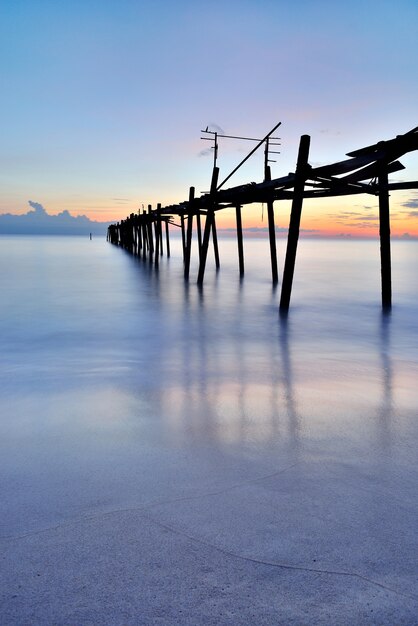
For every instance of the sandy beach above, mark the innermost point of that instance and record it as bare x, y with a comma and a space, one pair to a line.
169, 457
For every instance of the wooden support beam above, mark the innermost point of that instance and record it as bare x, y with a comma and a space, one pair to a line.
215, 242
210, 218
294, 225
272, 240
272, 231
145, 231
239, 239
183, 237
139, 234
384, 233
205, 244
199, 233
189, 235
150, 235
160, 228
167, 238
157, 239
135, 238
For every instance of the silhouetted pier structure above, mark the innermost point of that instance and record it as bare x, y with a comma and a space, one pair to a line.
365, 171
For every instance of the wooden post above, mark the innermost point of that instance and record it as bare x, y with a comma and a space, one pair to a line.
150, 235
145, 231
131, 241
183, 237
139, 233
208, 226
205, 245
215, 241
160, 229
135, 236
384, 233
272, 232
239, 238
294, 225
199, 233
167, 237
157, 238
189, 235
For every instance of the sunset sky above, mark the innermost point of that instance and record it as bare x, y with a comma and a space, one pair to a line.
103, 101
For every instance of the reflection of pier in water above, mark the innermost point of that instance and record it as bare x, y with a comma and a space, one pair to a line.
365, 171
242, 382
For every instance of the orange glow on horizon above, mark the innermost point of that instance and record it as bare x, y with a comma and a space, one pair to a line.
350, 216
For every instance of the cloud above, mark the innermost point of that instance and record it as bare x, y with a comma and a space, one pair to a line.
367, 218
412, 203
328, 131
205, 152
216, 128
367, 207
262, 230
39, 222
39, 209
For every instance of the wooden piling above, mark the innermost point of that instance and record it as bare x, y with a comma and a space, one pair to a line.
145, 232
205, 245
150, 235
294, 225
131, 241
215, 242
139, 234
384, 233
199, 233
239, 239
157, 241
188, 251
167, 238
272, 231
183, 236
210, 217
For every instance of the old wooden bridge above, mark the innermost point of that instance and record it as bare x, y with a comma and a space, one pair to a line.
365, 171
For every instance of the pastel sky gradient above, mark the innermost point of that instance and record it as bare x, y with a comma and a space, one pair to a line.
103, 101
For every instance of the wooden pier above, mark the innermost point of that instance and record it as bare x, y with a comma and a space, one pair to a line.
365, 171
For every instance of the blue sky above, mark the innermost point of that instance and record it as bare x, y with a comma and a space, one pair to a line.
102, 102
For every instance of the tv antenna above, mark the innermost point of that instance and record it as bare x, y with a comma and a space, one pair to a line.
268, 140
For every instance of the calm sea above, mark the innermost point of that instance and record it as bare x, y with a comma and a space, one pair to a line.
128, 381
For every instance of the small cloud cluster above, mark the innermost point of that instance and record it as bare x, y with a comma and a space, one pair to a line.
412, 203
39, 222
216, 129
357, 219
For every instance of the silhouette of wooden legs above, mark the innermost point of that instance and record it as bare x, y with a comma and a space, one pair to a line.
384, 232
294, 225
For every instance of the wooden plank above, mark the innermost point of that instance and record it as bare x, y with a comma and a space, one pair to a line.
371, 171
389, 144
343, 167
